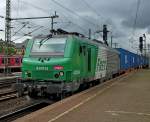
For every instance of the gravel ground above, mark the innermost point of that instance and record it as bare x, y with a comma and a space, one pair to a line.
3, 75
13, 104
5, 90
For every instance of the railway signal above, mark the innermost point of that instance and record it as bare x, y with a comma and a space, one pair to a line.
141, 44
105, 34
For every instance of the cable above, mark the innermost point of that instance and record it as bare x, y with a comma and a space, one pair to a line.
46, 11
19, 30
31, 24
37, 7
28, 34
84, 30
135, 23
89, 6
136, 16
71, 11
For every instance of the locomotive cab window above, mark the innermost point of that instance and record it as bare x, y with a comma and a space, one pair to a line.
80, 49
49, 46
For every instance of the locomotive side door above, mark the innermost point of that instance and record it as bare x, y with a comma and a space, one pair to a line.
83, 57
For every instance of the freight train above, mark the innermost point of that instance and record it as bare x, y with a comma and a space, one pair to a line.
63, 63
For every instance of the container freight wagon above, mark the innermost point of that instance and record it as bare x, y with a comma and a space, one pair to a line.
132, 60
125, 60
129, 60
65, 63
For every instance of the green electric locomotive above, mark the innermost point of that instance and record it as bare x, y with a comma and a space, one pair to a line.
62, 63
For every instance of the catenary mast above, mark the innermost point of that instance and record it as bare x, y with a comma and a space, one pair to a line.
7, 32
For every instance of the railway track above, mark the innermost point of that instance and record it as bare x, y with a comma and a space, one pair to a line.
4, 83
23, 111
7, 95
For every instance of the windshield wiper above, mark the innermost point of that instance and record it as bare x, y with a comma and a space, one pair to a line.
44, 40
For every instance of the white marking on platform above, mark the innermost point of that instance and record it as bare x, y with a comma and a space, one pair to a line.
126, 112
114, 114
85, 101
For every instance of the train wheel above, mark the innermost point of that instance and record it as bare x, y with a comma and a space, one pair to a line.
32, 94
69, 94
19, 94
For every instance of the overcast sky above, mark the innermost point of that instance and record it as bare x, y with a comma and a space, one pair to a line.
80, 15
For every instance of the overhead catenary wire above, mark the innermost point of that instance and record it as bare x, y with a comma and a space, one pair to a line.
31, 26
84, 30
37, 7
89, 6
47, 11
70, 21
93, 10
74, 13
19, 30
136, 16
28, 34
135, 22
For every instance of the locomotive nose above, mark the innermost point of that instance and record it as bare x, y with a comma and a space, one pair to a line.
48, 68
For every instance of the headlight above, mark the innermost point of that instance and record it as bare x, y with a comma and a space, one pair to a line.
61, 73
28, 74
56, 75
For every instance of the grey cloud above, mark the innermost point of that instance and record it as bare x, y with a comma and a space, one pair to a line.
143, 19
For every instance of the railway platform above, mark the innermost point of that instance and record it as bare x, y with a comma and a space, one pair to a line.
123, 99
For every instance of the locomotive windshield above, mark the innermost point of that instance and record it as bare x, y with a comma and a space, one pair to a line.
49, 45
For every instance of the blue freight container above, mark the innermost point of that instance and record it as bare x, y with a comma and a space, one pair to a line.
125, 59
130, 60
